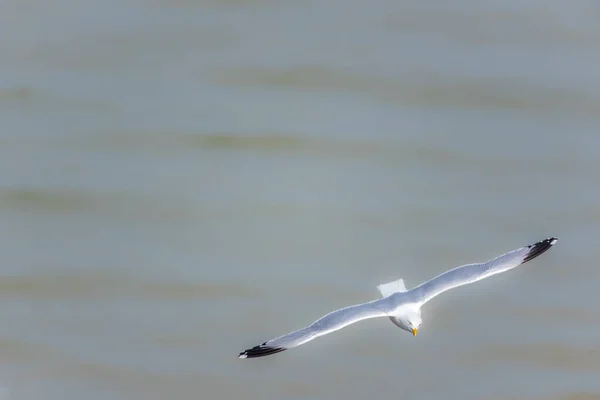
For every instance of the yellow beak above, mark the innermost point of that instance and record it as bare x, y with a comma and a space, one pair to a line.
414, 331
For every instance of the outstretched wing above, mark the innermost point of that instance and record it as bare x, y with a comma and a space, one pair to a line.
329, 323
473, 272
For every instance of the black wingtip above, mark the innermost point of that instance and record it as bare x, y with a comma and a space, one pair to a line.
539, 248
260, 351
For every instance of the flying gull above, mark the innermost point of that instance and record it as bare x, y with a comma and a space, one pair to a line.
401, 306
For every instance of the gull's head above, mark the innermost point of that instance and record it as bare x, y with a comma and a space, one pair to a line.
411, 322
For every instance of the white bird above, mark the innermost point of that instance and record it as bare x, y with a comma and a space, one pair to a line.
402, 306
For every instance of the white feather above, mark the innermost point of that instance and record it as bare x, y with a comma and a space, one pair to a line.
390, 288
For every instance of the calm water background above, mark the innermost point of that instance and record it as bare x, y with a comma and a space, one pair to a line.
180, 180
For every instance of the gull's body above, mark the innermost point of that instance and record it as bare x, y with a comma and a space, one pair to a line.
402, 306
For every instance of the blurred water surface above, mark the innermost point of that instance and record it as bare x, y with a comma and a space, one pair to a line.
183, 179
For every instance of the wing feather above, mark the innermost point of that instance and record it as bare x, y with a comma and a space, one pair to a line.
331, 322
470, 273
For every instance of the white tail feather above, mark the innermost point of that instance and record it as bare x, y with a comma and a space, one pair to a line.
389, 288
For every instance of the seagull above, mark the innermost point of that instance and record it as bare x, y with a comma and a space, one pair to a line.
401, 306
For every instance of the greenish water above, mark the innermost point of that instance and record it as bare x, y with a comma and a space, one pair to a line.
180, 180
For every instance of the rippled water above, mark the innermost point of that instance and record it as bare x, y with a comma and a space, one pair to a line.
183, 179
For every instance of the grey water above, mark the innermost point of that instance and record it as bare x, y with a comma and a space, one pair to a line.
183, 179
